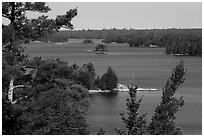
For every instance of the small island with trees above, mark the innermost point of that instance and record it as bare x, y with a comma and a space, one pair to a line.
87, 41
101, 49
106, 84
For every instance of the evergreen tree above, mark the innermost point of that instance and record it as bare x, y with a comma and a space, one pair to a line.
86, 75
109, 80
162, 122
54, 112
135, 123
21, 28
97, 83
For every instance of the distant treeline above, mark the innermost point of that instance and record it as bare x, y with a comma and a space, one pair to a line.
176, 41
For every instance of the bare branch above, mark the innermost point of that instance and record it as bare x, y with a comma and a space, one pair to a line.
21, 86
11, 90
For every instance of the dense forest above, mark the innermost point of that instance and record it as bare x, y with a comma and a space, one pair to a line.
176, 41
37, 95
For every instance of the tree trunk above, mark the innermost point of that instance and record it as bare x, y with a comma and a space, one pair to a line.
11, 90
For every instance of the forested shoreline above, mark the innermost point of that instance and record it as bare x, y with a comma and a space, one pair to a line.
176, 41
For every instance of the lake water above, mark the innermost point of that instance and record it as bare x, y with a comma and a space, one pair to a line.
147, 67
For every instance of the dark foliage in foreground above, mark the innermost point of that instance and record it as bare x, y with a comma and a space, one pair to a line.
53, 104
163, 119
39, 96
134, 122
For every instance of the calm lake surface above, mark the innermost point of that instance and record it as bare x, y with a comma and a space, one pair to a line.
147, 67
